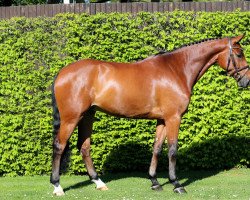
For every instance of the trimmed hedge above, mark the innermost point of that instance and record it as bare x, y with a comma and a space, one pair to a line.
214, 133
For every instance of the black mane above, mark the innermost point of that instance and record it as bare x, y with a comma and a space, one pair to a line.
186, 45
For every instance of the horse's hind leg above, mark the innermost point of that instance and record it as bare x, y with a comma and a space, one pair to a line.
59, 144
84, 134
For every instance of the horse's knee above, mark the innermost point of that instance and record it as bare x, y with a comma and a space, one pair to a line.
172, 152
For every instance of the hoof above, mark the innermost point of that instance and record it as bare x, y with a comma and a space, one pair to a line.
58, 191
100, 185
180, 190
103, 188
156, 187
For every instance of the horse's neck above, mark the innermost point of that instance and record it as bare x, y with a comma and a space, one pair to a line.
198, 61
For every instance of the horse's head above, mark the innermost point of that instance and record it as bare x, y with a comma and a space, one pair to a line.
232, 59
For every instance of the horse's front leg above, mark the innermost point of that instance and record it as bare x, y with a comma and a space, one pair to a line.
159, 139
172, 126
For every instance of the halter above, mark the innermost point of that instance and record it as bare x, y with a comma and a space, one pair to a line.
236, 71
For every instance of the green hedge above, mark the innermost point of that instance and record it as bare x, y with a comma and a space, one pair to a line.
214, 133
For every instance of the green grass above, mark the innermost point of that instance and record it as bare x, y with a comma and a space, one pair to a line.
232, 184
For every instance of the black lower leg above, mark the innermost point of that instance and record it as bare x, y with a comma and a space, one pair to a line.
54, 181
155, 184
178, 188
57, 153
93, 176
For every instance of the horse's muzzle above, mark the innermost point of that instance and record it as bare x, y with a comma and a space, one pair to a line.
244, 82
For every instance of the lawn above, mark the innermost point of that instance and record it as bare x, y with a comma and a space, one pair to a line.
231, 184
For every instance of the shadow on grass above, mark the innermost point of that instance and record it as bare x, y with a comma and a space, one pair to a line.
227, 152
188, 176
78, 185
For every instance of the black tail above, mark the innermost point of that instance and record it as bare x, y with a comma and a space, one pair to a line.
56, 115
56, 126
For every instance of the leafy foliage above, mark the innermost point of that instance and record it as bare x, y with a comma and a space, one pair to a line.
214, 133
21, 2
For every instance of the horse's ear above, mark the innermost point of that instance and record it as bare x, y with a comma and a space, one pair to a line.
237, 39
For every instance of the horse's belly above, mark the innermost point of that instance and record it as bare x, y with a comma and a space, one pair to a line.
119, 108
137, 106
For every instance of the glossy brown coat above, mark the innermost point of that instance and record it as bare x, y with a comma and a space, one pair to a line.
158, 87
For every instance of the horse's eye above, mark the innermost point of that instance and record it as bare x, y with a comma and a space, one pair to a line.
240, 55
239, 52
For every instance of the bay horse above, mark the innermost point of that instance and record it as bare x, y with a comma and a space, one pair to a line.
158, 87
